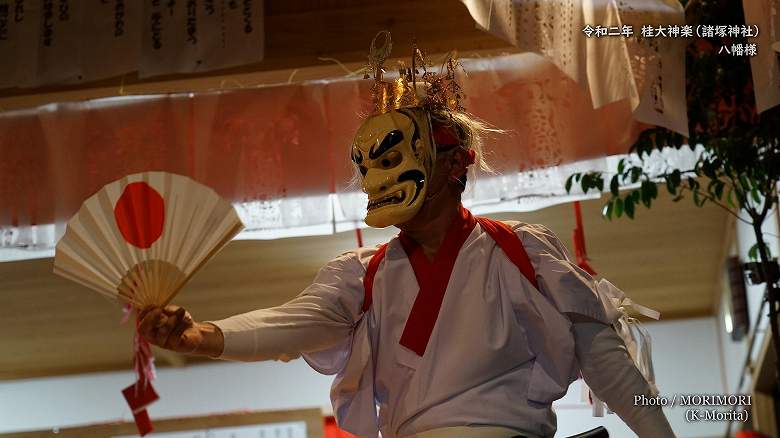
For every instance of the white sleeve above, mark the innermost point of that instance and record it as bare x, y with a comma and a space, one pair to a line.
320, 317
611, 374
569, 288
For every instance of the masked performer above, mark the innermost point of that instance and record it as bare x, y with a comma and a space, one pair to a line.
460, 326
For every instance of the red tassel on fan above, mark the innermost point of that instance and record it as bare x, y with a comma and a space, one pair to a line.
578, 238
141, 394
142, 422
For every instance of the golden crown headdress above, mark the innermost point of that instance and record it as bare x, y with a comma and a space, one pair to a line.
415, 85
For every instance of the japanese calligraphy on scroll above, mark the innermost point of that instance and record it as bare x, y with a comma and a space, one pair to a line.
45, 42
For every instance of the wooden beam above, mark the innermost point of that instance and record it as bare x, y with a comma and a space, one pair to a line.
312, 417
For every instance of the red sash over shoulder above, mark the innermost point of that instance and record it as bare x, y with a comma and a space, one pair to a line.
510, 243
433, 276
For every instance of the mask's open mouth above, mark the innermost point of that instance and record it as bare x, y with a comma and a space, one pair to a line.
393, 198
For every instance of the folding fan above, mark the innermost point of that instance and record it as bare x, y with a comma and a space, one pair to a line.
138, 240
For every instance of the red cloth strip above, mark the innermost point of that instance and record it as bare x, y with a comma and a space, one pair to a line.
433, 278
578, 237
368, 280
426, 308
443, 136
143, 422
140, 395
506, 238
359, 235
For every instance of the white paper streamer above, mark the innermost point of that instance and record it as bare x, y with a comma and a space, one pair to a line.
634, 335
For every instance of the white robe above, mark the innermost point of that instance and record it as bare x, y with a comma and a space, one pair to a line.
501, 350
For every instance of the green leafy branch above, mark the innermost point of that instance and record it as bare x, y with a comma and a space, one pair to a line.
739, 165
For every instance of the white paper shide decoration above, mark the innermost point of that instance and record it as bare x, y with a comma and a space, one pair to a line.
139, 239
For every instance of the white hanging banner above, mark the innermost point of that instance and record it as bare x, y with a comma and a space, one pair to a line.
169, 36
765, 66
184, 36
59, 42
238, 27
67, 41
9, 29
649, 72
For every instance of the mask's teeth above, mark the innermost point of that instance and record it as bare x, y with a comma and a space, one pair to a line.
392, 198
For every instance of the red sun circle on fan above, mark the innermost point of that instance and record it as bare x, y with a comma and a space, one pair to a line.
140, 214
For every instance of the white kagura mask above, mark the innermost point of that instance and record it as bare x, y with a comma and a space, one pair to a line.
394, 153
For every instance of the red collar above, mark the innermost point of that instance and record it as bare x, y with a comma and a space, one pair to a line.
432, 277
461, 226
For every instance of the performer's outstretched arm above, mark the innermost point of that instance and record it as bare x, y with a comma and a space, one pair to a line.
613, 377
320, 317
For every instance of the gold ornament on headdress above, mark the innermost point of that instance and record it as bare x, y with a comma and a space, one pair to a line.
429, 90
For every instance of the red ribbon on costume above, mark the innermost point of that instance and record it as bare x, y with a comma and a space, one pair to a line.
578, 238
472, 156
443, 136
141, 394
432, 277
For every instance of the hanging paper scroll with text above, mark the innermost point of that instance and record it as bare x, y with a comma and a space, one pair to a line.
765, 66
189, 36
648, 72
116, 37
19, 36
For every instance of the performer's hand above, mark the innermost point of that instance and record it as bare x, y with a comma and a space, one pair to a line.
173, 328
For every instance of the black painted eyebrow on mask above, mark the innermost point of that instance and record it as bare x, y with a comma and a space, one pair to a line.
391, 139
